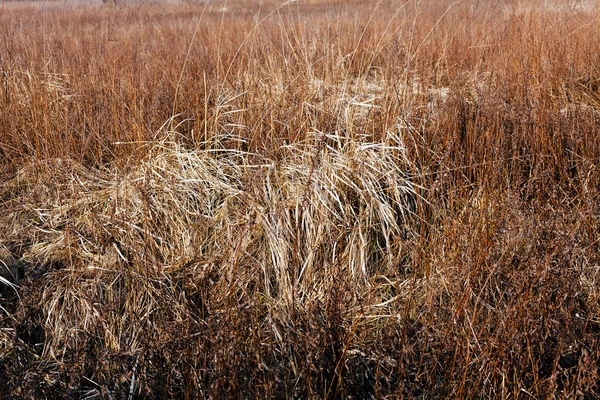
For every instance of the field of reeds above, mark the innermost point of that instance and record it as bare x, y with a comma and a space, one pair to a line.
311, 199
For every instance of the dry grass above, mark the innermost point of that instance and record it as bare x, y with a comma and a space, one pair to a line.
312, 199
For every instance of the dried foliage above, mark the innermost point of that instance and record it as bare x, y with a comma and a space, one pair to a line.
309, 199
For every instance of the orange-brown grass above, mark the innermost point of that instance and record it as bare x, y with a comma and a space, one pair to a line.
311, 199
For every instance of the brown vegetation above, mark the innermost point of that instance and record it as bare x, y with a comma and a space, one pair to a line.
314, 199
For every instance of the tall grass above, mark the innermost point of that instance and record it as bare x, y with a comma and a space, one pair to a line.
312, 199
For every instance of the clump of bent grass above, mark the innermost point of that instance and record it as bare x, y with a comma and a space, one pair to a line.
345, 192
119, 239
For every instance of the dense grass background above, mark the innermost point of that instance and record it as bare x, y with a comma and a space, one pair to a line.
312, 199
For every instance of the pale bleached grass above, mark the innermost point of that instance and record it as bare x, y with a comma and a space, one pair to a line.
332, 204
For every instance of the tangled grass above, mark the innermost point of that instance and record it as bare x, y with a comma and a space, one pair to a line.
287, 229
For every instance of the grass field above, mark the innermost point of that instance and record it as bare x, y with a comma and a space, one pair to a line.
311, 199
